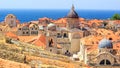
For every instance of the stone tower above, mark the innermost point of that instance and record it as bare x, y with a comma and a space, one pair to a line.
72, 19
10, 20
51, 38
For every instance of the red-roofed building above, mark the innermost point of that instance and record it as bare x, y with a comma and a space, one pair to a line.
12, 35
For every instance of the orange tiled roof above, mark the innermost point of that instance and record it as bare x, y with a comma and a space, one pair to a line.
97, 22
92, 40
116, 46
26, 38
11, 35
81, 19
41, 41
61, 21
117, 22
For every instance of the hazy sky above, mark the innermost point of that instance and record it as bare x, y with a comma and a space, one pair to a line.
60, 4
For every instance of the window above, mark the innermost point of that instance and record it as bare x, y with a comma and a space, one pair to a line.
50, 42
32, 28
19, 28
110, 38
65, 35
105, 62
102, 62
23, 32
27, 32
108, 62
58, 35
50, 50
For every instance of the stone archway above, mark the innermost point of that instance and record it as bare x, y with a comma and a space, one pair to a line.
105, 59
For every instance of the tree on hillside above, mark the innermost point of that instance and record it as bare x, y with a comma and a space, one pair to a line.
115, 17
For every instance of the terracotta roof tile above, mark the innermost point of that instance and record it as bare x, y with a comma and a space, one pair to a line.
12, 35
40, 41
26, 38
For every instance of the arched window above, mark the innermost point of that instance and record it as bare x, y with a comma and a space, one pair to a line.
23, 32
50, 42
27, 32
65, 35
108, 62
102, 62
105, 62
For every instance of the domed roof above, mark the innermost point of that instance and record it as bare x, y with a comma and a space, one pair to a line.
72, 13
51, 25
33, 25
41, 27
105, 43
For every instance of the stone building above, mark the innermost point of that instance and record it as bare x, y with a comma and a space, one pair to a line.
51, 39
27, 30
68, 40
72, 19
10, 20
103, 57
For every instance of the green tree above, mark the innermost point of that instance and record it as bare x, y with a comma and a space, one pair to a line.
115, 17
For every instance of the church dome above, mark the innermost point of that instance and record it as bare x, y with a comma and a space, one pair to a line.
51, 25
41, 27
105, 43
72, 13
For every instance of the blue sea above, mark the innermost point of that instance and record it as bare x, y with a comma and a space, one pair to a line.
26, 15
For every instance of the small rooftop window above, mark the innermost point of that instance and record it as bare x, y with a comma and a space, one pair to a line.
92, 42
110, 39
65, 35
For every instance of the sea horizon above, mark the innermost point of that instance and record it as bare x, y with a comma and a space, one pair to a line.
26, 15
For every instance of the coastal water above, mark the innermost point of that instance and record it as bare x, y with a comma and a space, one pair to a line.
29, 15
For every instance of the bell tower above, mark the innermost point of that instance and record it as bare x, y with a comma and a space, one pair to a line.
51, 40
72, 19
